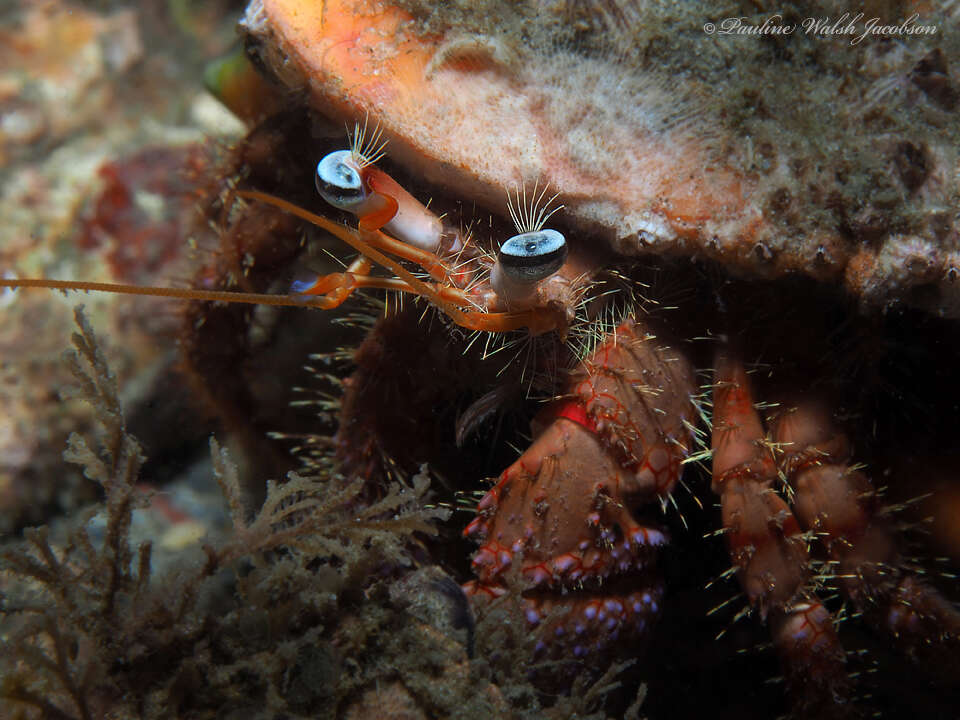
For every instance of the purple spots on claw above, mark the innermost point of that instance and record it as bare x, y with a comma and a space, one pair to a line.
476, 529
483, 558
570, 625
613, 606
536, 575
564, 563
648, 536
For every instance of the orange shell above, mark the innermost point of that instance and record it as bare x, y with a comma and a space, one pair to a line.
669, 170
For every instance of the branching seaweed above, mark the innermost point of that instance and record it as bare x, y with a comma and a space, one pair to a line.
83, 594
310, 607
87, 632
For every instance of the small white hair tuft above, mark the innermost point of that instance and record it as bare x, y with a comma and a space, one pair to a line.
365, 148
531, 215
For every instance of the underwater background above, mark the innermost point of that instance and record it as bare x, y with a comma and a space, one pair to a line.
213, 510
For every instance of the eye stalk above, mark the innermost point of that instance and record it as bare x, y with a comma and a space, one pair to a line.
528, 259
339, 182
532, 256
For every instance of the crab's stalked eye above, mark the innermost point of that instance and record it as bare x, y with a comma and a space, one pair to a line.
338, 180
533, 256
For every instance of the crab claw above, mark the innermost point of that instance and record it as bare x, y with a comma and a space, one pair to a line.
566, 526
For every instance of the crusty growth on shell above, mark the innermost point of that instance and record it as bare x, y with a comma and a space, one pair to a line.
659, 136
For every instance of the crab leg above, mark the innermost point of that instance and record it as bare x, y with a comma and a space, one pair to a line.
768, 548
839, 504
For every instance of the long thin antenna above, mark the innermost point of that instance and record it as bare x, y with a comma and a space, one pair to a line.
176, 293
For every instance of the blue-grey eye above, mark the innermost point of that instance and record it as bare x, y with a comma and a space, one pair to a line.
338, 180
533, 256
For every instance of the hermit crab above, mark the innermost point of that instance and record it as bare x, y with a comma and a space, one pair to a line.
654, 171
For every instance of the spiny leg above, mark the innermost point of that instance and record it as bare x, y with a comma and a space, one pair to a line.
770, 551
839, 503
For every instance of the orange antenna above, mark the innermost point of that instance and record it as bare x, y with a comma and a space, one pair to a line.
226, 296
373, 246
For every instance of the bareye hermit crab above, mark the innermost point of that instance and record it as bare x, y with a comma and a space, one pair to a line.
664, 144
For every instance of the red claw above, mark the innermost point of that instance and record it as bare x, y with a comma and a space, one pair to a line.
564, 504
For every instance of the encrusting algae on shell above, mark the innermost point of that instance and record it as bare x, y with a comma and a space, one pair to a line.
798, 153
